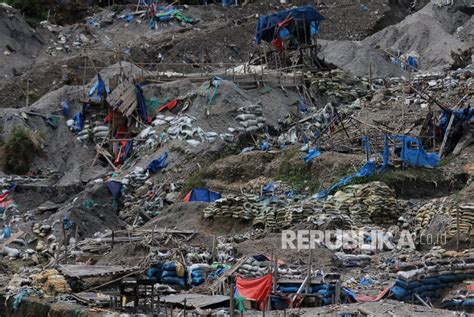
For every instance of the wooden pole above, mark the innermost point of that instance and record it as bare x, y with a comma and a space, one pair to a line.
27, 91
446, 135
457, 227
231, 295
214, 247
113, 239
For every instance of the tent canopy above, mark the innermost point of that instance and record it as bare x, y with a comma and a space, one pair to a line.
202, 194
267, 25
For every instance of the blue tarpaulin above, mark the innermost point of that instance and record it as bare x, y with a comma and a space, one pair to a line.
267, 188
202, 194
115, 188
158, 164
6, 233
368, 169
78, 122
463, 114
366, 144
67, 223
413, 153
141, 103
267, 26
98, 89
385, 153
312, 154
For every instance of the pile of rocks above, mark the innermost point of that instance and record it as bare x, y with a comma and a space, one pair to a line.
66, 40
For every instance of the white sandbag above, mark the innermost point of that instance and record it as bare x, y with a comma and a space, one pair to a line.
193, 142
11, 252
101, 134
100, 128
245, 117
144, 133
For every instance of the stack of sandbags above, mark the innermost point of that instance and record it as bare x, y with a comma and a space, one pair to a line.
466, 219
197, 274
429, 278
250, 118
253, 268
240, 207
351, 260
100, 131
460, 298
325, 221
294, 272
174, 273
380, 201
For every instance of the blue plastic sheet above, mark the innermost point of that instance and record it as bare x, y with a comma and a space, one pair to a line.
67, 223
414, 154
366, 144
267, 25
267, 188
158, 164
6, 233
115, 188
265, 146
141, 103
463, 114
66, 108
368, 169
312, 154
98, 89
22, 294
78, 122
385, 153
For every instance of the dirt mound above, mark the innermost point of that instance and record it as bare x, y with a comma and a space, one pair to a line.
430, 32
19, 43
189, 216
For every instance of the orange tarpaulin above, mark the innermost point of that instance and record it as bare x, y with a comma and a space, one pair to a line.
256, 289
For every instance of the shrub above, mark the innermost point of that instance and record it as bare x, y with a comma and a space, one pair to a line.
31, 8
19, 151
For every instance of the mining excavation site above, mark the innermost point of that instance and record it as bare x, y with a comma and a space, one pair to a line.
236, 158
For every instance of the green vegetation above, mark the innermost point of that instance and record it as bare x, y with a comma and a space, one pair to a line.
197, 179
399, 176
32, 9
19, 151
295, 172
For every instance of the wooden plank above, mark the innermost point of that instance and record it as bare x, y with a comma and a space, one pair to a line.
228, 273
195, 300
13, 237
81, 271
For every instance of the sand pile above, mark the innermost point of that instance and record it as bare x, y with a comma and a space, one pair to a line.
432, 32
19, 43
